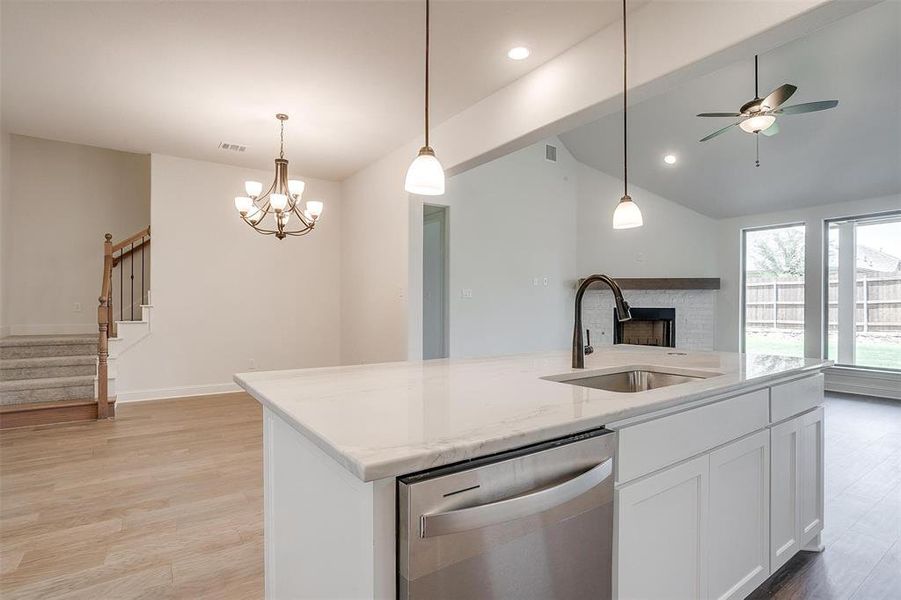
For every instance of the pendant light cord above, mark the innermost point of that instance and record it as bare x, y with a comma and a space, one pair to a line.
625, 113
281, 139
427, 22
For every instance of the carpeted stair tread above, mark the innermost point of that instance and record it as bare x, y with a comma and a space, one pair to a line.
46, 382
47, 340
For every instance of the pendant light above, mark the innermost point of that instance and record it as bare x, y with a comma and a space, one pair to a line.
627, 214
425, 175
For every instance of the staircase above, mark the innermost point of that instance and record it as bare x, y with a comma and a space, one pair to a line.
47, 379
56, 378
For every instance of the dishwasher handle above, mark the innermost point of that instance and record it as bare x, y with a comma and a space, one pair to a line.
476, 517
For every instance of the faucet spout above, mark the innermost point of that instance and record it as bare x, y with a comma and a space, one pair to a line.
622, 314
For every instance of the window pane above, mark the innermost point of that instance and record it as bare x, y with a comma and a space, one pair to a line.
774, 291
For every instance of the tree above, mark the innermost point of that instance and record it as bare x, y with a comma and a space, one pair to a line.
780, 253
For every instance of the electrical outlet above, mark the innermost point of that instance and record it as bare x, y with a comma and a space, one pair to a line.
466, 293
253, 365
76, 307
545, 281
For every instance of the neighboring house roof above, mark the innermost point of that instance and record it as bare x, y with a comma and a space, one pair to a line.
870, 259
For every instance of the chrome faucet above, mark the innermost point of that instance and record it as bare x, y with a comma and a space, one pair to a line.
622, 314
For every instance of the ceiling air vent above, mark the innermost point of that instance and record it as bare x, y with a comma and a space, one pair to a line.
232, 147
550, 153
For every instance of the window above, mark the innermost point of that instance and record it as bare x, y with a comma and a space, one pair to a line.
863, 294
773, 290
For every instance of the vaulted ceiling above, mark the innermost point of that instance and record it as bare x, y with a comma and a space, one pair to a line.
850, 152
180, 77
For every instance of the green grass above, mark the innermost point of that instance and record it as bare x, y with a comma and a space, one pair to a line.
870, 354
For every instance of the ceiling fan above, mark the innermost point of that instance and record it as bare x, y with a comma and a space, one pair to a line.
759, 115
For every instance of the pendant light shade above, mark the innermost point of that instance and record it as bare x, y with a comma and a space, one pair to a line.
627, 214
425, 175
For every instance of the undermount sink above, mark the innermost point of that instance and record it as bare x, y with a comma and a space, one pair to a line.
630, 381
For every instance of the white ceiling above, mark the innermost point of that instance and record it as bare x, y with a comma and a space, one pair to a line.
850, 152
180, 77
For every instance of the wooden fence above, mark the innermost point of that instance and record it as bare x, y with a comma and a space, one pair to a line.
780, 304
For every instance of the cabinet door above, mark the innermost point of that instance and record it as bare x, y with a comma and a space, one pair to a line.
811, 475
661, 543
785, 486
739, 522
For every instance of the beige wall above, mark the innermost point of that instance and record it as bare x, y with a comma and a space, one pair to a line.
4, 255
62, 199
224, 294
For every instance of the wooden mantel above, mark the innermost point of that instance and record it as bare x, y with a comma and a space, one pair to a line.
662, 283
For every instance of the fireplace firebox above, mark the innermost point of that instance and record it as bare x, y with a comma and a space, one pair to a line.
647, 327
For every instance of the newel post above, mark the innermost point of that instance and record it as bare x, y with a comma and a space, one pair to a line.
103, 318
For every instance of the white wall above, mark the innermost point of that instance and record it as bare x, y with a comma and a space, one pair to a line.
511, 221
673, 242
521, 217
729, 253
672, 41
61, 200
223, 294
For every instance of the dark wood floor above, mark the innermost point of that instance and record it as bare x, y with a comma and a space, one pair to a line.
862, 534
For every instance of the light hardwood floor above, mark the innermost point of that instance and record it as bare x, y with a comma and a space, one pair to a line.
166, 502
163, 502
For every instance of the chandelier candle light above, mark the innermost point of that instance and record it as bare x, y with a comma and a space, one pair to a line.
627, 214
425, 175
281, 200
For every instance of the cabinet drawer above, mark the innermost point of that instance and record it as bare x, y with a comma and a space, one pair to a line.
655, 444
793, 398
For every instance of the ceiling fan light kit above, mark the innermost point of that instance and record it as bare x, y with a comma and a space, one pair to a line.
759, 115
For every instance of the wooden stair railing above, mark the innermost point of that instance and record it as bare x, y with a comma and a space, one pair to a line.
113, 254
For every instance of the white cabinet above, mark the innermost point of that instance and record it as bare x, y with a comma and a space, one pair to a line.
796, 467
811, 477
739, 517
662, 534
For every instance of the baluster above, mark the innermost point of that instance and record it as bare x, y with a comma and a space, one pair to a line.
143, 301
131, 261
121, 288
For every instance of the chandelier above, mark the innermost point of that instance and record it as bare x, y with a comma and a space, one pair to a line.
281, 200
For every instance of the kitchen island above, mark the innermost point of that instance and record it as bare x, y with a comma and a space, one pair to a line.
718, 480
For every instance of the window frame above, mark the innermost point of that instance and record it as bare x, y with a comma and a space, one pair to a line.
742, 251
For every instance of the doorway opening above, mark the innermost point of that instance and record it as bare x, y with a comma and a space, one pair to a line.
435, 272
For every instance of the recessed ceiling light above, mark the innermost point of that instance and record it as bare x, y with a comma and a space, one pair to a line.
519, 53
670, 159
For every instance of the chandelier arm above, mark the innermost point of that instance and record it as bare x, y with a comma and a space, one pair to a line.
300, 215
299, 232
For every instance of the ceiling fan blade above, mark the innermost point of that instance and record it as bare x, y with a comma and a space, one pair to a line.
778, 96
723, 114
718, 132
771, 130
798, 109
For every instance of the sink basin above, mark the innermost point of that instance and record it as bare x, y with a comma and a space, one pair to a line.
633, 380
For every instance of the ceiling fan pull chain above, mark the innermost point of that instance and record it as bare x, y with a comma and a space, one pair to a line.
757, 144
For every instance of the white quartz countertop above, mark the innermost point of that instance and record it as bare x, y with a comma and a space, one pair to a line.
389, 419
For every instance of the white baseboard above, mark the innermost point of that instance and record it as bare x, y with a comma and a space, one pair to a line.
53, 329
882, 384
177, 392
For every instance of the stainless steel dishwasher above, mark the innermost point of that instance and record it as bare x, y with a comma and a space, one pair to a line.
534, 523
